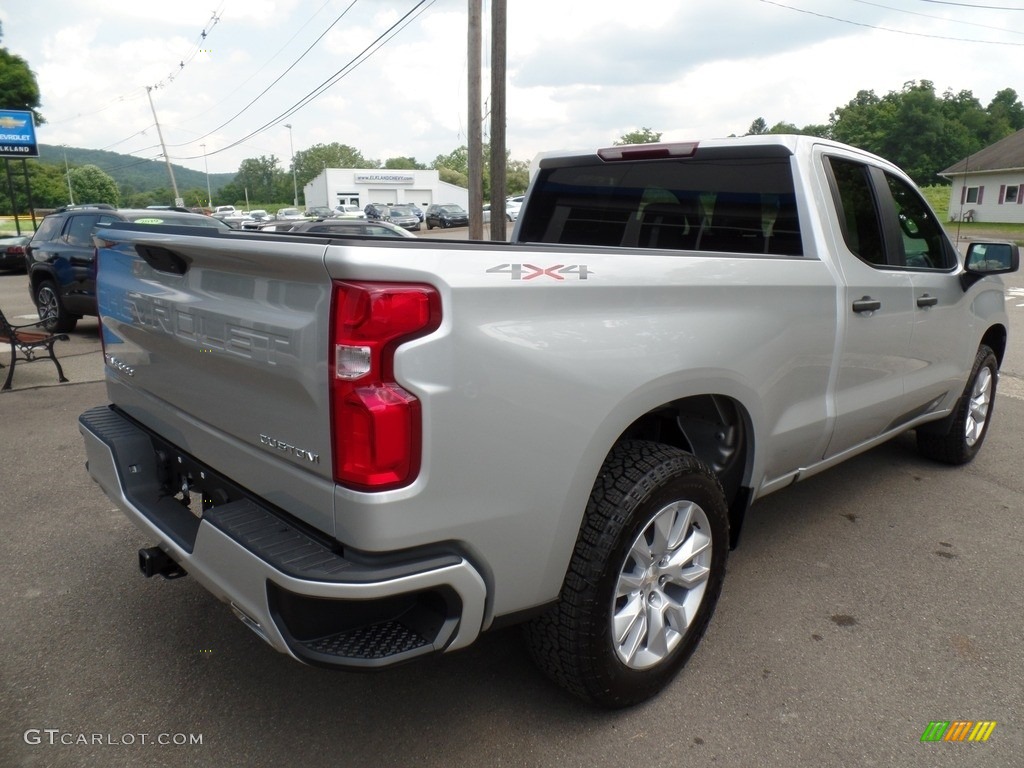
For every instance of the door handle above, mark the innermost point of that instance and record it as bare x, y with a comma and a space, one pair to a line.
927, 301
866, 304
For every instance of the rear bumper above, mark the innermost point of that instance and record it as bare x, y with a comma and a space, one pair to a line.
305, 595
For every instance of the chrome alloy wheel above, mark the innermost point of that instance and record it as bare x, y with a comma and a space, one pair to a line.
978, 408
48, 306
661, 584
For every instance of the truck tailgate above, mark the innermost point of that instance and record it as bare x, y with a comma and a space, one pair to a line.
224, 352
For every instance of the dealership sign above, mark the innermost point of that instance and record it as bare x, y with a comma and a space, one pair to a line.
17, 134
384, 178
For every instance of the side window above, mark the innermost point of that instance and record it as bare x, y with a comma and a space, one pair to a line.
858, 210
78, 229
922, 240
48, 230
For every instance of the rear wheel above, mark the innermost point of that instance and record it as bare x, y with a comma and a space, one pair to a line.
643, 580
959, 440
54, 317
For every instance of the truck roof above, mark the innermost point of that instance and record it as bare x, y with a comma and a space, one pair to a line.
773, 144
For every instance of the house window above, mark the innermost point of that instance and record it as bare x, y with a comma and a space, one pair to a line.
972, 194
1011, 194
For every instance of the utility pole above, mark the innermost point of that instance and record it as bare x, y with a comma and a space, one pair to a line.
163, 147
475, 126
295, 181
206, 165
499, 25
67, 172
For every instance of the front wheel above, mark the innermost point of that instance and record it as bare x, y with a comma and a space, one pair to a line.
643, 580
957, 441
52, 314
445, 223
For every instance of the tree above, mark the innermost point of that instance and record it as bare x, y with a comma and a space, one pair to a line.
18, 87
310, 163
758, 127
517, 177
92, 185
457, 160
453, 168
916, 129
1005, 108
258, 179
642, 136
47, 182
403, 164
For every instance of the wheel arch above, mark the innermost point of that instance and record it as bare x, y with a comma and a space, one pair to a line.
717, 429
995, 339
39, 274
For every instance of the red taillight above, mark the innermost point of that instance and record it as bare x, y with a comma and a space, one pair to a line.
376, 423
647, 151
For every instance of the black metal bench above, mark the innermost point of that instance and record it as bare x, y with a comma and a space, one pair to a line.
26, 343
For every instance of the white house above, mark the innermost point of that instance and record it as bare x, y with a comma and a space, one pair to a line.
361, 186
989, 185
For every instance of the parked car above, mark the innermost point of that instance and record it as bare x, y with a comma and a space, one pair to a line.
275, 225
236, 220
361, 227
509, 215
446, 215
319, 212
403, 216
60, 256
289, 213
376, 211
412, 208
255, 218
513, 204
12, 251
349, 212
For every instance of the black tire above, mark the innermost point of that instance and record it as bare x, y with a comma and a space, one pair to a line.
429, 226
52, 314
958, 440
608, 583
446, 224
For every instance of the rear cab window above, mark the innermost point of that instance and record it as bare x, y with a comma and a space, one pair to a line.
736, 200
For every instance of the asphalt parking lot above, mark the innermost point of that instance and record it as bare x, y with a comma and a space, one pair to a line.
861, 605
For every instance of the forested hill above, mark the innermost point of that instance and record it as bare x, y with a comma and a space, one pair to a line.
132, 173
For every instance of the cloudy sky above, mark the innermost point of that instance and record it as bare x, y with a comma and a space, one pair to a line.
388, 77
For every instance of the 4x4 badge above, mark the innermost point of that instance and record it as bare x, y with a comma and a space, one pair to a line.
530, 271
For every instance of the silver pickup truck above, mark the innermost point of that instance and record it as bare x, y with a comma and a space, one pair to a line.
376, 450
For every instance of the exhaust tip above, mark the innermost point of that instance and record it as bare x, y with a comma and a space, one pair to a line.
153, 561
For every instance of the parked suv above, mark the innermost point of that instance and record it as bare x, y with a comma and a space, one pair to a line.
404, 215
446, 215
60, 257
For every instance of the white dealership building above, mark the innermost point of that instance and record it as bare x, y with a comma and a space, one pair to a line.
361, 186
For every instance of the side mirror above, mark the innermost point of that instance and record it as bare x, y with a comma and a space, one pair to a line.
992, 258
984, 259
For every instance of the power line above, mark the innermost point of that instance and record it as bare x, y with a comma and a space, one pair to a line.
194, 50
334, 79
141, 92
889, 29
977, 7
272, 84
940, 18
